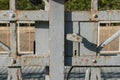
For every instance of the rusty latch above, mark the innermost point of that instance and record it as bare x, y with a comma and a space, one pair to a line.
74, 37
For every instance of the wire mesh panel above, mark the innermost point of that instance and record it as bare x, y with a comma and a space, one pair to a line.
26, 34
106, 30
4, 35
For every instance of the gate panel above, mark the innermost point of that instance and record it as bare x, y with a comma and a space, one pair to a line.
78, 32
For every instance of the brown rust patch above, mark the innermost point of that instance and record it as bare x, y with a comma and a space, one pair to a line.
4, 15
77, 38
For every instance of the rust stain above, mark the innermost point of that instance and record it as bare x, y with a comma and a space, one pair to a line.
86, 60
4, 15
77, 38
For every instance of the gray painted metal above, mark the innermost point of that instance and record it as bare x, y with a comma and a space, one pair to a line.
50, 43
56, 25
93, 61
14, 73
25, 60
69, 16
42, 38
88, 30
39, 15
109, 15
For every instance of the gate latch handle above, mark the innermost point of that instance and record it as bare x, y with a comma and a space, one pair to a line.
74, 37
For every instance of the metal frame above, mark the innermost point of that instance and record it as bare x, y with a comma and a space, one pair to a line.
55, 58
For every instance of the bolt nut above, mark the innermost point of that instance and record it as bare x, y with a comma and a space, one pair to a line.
94, 61
12, 15
95, 16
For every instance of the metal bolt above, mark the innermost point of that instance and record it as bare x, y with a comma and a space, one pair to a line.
12, 15
94, 61
14, 61
95, 16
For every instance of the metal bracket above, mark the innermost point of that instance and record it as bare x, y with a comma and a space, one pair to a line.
74, 37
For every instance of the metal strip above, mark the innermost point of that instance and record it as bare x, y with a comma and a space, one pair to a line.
93, 61
56, 24
24, 60
69, 16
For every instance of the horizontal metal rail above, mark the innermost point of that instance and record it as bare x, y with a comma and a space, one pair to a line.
103, 61
40, 15
24, 60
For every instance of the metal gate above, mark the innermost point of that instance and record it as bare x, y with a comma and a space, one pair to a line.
52, 44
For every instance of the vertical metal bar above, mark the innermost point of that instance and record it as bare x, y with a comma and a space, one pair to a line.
56, 23
94, 9
12, 4
29, 37
18, 34
119, 44
46, 5
93, 74
14, 72
13, 39
94, 5
7, 33
98, 74
13, 31
87, 75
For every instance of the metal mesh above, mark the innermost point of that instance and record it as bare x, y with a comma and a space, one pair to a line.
26, 37
5, 34
105, 31
26, 34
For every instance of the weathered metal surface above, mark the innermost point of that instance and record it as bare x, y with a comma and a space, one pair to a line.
14, 73
94, 9
42, 38
56, 25
13, 39
88, 30
69, 16
49, 38
28, 60
33, 60
74, 37
110, 15
93, 61
39, 15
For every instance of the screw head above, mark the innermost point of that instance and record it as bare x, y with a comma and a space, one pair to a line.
94, 61
95, 16
12, 15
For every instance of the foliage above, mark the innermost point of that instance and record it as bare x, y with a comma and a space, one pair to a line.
21, 5
70, 5
4, 4
109, 4
73, 5
26, 5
